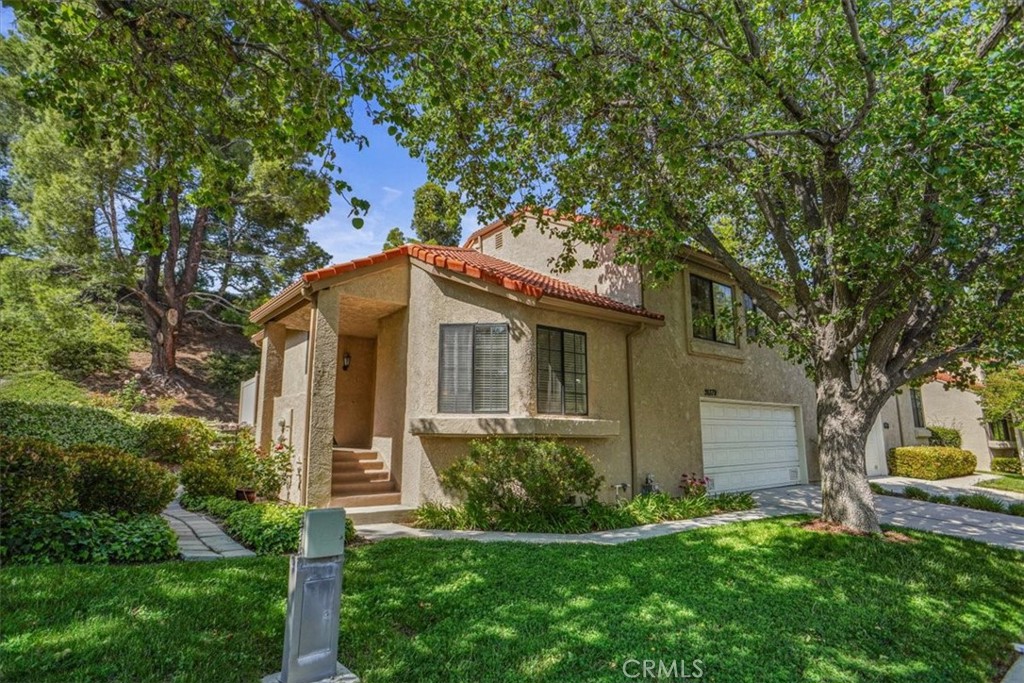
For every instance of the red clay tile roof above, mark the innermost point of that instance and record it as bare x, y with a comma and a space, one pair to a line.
475, 265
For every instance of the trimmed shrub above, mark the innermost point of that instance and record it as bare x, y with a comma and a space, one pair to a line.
176, 440
1006, 465
35, 477
207, 476
503, 477
95, 537
930, 462
978, 501
72, 425
945, 436
264, 528
110, 480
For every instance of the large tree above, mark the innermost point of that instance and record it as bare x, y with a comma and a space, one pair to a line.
185, 127
865, 159
437, 215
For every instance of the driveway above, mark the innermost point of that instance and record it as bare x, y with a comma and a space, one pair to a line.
987, 527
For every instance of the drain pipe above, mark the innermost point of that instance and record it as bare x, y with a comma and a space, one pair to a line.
631, 410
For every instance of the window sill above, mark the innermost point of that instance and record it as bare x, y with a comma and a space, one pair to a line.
498, 425
713, 349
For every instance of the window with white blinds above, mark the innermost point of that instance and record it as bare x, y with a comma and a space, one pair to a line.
561, 371
473, 369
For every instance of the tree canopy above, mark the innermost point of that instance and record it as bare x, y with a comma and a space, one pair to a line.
437, 215
862, 159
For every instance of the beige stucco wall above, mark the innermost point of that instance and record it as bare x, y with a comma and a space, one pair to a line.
536, 250
354, 390
960, 410
673, 372
435, 301
290, 406
897, 416
389, 423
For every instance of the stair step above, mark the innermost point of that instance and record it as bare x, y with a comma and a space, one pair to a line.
366, 500
358, 465
386, 486
358, 476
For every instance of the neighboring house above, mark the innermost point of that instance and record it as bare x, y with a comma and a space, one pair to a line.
380, 370
905, 419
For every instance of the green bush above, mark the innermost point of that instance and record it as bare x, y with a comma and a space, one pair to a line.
35, 477
69, 425
265, 528
945, 436
95, 537
940, 499
930, 462
112, 481
978, 501
41, 386
915, 493
503, 477
1015, 509
176, 440
207, 476
1006, 465
227, 370
591, 516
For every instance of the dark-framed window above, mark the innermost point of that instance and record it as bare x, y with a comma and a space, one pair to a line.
1002, 430
712, 306
561, 371
473, 369
917, 408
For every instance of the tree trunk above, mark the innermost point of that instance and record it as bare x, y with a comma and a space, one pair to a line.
162, 330
843, 428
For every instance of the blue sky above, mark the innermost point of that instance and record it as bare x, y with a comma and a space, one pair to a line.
381, 173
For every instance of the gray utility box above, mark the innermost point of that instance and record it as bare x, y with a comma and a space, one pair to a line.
314, 603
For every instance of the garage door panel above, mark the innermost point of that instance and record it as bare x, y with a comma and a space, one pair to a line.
749, 445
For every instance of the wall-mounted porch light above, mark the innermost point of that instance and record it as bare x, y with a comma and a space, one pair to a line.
346, 361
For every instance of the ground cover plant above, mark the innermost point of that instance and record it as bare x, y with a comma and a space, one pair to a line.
267, 528
762, 601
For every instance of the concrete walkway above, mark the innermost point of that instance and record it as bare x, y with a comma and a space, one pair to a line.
199, 538
951, 487
987, 527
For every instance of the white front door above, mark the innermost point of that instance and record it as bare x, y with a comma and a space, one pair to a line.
750, 445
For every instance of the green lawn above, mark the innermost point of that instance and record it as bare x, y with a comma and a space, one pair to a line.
762, 601
1009, 482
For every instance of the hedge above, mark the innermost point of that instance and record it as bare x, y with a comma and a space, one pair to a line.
930, 462
83, 537
1006, 465
265, 528
35, 477
176, 440
109, 480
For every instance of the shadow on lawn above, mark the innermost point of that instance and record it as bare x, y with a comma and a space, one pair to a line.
764, 601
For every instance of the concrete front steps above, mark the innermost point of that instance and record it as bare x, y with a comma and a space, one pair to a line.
362, 485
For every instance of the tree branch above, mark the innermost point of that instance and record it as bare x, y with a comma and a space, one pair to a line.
850, 12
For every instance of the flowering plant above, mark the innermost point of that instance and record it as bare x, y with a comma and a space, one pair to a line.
693, 486
262, 470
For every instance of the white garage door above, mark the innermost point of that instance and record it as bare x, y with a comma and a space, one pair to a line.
749, 445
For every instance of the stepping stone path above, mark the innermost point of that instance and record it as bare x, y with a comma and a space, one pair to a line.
199, 538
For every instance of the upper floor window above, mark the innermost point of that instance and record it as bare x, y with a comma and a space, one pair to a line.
1001, 430
751, 318
561, 371
473, 369
712, 309
917, 407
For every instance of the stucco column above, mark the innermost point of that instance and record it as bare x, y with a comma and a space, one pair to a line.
323, 376
271, 376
